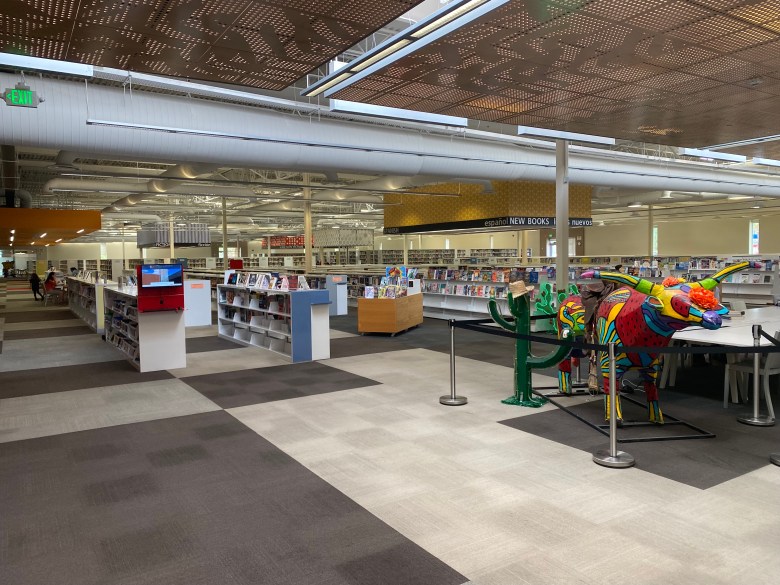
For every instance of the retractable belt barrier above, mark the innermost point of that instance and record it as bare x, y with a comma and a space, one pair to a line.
612, 457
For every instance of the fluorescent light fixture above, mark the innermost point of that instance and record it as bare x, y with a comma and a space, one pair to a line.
338, 79
770, 162
57, 241
713, 155
738, 197
13, 231
43, 235
32, 243
635, 204
448, 17
80, 231
47, 245
381, 55
756, 206
396, 113
561, 135
428, 30
12, 238
35, 63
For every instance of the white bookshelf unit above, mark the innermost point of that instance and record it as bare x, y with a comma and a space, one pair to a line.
151, 341
85, 300
295, 324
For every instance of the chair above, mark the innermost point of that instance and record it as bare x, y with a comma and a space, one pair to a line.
769, 366
737, 305
54, 294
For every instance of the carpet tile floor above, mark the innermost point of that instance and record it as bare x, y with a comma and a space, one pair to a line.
245, 469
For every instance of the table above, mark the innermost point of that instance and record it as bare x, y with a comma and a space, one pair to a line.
737, 331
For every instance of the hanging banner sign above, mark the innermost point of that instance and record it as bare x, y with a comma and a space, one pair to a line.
497, 223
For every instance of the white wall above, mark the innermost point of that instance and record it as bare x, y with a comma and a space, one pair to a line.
684, 238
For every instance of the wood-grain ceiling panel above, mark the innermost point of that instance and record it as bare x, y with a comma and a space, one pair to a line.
263, 43
648, 70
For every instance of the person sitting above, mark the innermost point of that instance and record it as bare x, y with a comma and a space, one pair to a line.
51, 286
73, 271
35, 285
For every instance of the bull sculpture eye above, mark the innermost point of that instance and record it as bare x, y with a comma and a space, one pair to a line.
681, 305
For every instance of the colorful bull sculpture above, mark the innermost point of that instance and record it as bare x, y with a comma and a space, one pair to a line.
641, 314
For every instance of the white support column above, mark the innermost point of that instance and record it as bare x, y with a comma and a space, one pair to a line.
170, 239
406, 250
562, 214
307, 252
650, 231
224, 235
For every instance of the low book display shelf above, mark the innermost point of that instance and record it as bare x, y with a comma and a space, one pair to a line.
294, 323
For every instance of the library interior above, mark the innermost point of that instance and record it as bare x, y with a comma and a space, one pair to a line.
432, 292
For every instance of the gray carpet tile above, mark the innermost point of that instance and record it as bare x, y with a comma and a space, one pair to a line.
44, 314
64, 378
51, 332
211, 343
258, 385
703, 463
189, 500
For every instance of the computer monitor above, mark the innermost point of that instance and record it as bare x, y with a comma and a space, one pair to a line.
161, 275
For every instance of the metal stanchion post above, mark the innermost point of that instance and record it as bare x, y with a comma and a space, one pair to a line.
451, 399
613, 457
756, 419
577, 375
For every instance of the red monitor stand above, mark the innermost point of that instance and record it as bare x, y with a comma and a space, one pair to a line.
164, 298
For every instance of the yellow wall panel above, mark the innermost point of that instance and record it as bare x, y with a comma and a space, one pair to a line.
511, 198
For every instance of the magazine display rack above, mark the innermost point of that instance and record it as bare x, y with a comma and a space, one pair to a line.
289, 321
151, 341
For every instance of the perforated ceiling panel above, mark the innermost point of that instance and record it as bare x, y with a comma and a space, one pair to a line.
267, 44
683, 72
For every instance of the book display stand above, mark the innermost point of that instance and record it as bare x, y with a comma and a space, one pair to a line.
85, 300
278, 313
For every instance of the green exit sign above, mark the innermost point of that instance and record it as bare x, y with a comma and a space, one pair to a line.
22, 96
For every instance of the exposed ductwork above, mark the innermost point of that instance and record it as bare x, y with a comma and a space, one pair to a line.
157, 126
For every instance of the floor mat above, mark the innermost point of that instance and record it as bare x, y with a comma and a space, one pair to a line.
50, 332
212, 343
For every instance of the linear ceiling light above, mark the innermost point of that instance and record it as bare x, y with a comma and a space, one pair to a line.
561, 135
80, 231
57, 241
38, 64
770, 162
380, 55
713, 155
448, 17
396, 113
43, 235
439, 24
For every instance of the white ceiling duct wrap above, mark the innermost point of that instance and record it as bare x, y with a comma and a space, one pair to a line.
141, 125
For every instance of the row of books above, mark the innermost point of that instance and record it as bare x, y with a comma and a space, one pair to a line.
267, 281
467, 290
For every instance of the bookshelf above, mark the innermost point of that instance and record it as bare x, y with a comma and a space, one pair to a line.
295, 324
85, 300
150, 341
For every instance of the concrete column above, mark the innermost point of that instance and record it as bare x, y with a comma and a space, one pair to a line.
650, 230
170, 240
406, 250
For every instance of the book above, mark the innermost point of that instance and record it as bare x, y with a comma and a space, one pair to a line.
232, 278
369, 292
252, 280
241, 280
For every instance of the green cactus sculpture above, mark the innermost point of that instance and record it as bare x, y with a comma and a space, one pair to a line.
520, 307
